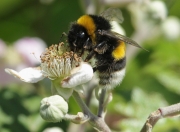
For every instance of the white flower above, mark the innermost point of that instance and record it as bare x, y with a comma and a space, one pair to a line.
61, 67
56, 63
171, 28
53, 108
30, 45
146, 14
158, 9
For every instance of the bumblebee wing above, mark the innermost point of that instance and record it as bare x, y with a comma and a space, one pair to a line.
128, 40
123, 38
113, 14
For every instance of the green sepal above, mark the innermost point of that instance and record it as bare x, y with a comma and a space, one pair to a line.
57, 89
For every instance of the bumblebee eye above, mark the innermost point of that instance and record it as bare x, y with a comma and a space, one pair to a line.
81, 34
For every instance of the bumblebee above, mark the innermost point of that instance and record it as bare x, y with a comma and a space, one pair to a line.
93, 33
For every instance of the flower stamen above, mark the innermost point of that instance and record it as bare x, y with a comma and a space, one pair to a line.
55, 62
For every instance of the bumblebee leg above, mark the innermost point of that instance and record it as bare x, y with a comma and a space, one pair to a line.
101, 32
101, 47
87, 44
90, 55
82, 51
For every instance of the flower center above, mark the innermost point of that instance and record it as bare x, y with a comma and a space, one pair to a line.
57, 61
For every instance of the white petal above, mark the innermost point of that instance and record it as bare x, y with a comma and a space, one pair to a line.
29, 75
79, 76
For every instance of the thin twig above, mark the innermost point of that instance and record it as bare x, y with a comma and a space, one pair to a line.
164, 112
108, 99
101, 102
89, 94
80, 118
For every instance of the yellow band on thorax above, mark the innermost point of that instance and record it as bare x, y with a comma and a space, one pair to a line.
120, 51
88, 23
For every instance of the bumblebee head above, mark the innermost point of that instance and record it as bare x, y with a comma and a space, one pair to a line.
77, 37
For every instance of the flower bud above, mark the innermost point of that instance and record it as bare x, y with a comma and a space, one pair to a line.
53, 108
53, 129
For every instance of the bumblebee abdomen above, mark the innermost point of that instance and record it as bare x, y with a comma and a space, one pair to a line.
119, 52
111, 72
111, 80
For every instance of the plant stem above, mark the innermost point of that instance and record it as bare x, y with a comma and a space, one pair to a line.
80, 102
95, 121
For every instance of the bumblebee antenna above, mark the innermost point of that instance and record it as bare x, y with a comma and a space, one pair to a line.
62, 35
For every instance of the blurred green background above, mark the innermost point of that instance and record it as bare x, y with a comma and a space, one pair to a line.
152, 79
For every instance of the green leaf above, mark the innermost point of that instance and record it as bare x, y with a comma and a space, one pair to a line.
170, 80
32, 122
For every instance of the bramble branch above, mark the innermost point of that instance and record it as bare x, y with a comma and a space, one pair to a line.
164, 112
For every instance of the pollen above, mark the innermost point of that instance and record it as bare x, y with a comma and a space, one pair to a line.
57, 61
